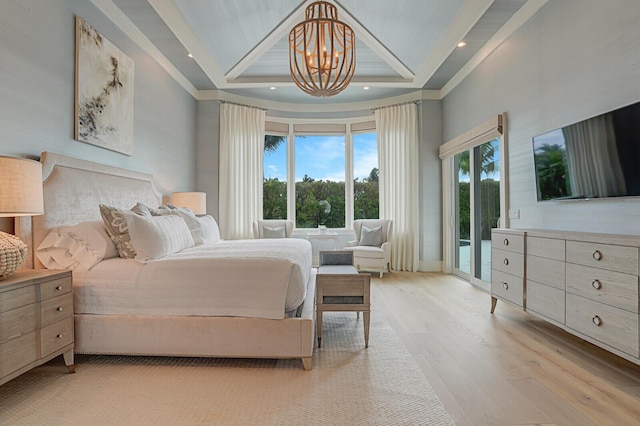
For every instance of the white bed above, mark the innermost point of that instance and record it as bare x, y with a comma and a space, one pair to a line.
72, 191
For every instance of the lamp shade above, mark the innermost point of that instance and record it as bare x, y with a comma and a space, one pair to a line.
20, 187
194, 201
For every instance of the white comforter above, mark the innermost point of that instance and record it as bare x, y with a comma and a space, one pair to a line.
248, 278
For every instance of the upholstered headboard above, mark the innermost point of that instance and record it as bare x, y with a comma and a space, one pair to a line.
73, 189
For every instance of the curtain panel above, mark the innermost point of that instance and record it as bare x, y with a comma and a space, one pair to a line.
241, 174
397, 128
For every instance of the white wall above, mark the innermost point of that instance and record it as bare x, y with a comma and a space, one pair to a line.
37, 40
574, 59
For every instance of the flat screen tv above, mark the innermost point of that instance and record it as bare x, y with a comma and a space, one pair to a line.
594, 158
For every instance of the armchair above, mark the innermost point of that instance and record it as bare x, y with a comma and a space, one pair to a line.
272, 228
371, 248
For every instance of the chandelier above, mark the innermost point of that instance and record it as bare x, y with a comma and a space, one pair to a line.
322, 56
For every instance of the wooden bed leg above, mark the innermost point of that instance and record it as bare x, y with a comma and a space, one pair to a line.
306, 363
493, 303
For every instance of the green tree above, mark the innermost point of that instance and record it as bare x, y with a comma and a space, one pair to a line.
551, 166
272, 142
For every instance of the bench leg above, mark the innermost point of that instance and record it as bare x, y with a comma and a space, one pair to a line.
366, 315
319, 327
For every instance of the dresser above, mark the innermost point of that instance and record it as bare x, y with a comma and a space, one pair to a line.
586, 283
36, 320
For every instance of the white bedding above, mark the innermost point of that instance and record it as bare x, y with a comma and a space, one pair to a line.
247, 278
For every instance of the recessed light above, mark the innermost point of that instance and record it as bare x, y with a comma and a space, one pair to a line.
366, 88
272, 87
462, 44
190, 55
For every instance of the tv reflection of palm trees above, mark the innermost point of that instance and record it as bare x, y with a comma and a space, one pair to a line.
551, 167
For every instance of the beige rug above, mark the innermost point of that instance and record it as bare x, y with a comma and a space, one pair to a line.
349, 385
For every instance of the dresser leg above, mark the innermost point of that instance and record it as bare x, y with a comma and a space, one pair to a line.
493, 303
68, 360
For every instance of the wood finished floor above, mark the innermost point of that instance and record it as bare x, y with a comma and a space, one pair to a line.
509, 368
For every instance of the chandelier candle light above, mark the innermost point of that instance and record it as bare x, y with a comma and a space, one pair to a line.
322, 56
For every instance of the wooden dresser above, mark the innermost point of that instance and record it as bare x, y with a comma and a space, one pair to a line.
585, 283
36, 320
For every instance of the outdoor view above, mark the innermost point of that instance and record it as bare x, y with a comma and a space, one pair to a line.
320, 179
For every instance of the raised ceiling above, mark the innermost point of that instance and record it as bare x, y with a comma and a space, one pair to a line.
241, 47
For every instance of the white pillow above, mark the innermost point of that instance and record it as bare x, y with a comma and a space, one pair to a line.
85, 244
204, 229
277, 232
157, 236
370, 237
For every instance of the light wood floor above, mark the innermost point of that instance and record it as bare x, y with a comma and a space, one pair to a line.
509, 368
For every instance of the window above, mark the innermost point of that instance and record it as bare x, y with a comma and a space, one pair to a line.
320, 175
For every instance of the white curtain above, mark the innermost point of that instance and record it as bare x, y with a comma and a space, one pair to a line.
397, 129
592, 158
241, 175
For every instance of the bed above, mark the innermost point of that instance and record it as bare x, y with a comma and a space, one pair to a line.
72, 191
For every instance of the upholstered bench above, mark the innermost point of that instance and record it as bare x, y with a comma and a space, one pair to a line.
340, 288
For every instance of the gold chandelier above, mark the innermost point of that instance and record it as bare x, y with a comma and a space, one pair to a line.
322, 55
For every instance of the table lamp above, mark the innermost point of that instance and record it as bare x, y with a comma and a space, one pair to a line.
20, 195
194, 201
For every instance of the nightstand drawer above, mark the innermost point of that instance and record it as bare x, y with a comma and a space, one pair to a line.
614, 258
17, 353
18, 297
507, 241
613, 288
507, 287
55, 309
17, 322
549, 248
508, 262
546, 271
55, 287
546, 301
56, 336
613, 326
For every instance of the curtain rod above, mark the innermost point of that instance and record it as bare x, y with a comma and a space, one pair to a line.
401, 103
235, 103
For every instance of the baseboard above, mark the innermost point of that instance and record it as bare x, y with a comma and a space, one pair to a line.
430, 266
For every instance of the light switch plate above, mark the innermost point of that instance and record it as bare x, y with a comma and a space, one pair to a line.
514, 214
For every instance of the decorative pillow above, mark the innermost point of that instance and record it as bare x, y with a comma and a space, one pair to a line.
204, 229
116, 224
85, 244
370, 237
157, 236
278, 232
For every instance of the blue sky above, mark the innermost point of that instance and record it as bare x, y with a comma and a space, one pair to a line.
322, 157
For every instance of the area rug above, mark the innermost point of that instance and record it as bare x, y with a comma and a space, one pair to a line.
349, 385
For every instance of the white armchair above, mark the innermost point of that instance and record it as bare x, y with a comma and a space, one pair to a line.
371, 248
273, 228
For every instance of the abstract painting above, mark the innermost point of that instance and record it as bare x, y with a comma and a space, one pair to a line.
104, 92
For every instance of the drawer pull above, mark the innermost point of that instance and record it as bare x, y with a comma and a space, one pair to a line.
59, 288
505, 285
59, 309
506, 261
596, 320
59, 336
505, 242
596, 284
597, 255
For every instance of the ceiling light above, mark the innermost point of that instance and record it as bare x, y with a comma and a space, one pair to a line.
190, 55
272, 87
462, 44
366, 88
322, 56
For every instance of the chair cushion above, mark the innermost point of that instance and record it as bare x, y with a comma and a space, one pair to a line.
368, 252
371, 237
277, 232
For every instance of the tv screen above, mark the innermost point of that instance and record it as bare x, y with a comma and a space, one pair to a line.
594, 158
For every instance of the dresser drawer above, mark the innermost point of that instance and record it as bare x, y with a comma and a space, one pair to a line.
17, 353
613, 288
15, 298
507, 241
508, 287
614, 258
17, 322
55, 287
56, 336
546, 301
549, 248
546, 271
615, 327
509, 262
55, 309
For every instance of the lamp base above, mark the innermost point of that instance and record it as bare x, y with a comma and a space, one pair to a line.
13, 252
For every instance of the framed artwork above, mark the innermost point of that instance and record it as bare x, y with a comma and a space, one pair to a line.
104, 92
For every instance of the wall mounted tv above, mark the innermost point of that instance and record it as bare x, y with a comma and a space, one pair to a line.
595, 158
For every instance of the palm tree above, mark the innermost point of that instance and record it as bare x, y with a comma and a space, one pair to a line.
272, 142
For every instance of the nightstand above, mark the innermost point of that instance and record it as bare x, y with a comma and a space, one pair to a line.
36, 320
